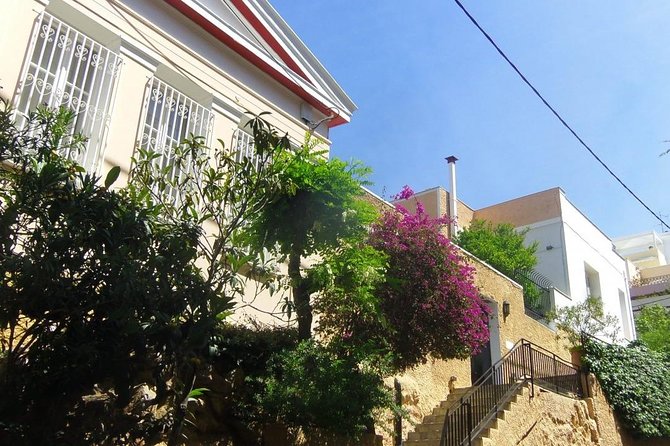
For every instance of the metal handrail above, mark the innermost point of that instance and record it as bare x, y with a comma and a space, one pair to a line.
525, 362
536, 292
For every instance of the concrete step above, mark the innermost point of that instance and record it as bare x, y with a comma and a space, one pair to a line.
429, 427
421, 443
482, 441
425, 435
429, 432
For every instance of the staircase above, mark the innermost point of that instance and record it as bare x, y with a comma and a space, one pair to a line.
469, 415
429, 432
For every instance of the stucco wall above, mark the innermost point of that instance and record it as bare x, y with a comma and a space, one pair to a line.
549, 419
524, 210
426, 385
517, 325
154, 38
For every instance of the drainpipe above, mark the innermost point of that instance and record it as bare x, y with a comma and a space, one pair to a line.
453, 203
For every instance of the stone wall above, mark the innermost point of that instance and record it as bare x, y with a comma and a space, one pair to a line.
549, 419
499, 288
426, 385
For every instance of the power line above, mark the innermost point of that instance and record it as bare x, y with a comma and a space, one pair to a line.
565, 124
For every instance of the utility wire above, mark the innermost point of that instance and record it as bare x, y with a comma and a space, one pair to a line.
565, 124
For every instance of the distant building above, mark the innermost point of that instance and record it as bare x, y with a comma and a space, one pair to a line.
575, 258
647, 254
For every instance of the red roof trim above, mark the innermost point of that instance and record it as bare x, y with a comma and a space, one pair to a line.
268, 37
243, 51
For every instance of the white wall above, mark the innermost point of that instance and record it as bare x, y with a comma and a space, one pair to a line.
587, 247
567, 247
551, 257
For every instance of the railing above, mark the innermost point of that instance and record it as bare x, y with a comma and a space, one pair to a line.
481, 404
243, 147
658, 280
536, 293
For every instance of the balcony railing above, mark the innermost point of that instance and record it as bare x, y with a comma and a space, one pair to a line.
658, 280
537, 296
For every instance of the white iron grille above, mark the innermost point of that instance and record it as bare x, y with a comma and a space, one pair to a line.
67, 68
169, 118
243, 147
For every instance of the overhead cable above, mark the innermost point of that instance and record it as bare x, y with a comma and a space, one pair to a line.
558, 116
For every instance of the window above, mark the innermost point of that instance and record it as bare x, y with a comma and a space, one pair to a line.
592, 282
243, 147
67, 68
169, 118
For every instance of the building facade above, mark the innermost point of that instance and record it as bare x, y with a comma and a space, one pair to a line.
144, 74
647, 254
574, 256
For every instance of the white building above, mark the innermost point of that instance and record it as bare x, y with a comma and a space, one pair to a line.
145, 74
573, 254
648, 255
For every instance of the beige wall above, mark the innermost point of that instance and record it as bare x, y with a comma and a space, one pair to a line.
154, 37
426, 385
523, 211
517, 325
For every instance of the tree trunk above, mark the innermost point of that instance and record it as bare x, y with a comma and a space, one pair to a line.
301, 295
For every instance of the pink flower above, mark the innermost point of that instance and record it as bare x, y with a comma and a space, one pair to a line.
405, 193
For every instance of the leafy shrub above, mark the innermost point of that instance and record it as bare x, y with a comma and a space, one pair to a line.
249, 348
502, 247
312, 386
499, 245
587, 317
97, 292
636, 382
653, 328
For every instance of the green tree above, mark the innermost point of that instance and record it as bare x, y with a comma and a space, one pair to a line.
499, 245
653, 327
587, 317
97, 292
319, 209
106, 290
502, 247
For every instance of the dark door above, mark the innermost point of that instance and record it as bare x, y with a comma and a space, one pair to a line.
480, 362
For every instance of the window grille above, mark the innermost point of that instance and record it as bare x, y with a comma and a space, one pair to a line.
243, 147
67, 68
169, 118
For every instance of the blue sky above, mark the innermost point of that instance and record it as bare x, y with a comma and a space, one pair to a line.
428, 85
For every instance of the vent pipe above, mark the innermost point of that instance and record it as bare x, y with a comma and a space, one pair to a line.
453, 200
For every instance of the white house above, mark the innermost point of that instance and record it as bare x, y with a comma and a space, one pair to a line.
648, 255
576, 257
146, 73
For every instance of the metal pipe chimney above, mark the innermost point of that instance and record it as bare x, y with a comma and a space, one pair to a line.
453, 199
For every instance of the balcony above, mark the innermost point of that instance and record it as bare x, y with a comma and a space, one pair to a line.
538, 294
646, 286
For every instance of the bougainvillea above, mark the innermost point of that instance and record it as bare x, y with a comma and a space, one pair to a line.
428, 298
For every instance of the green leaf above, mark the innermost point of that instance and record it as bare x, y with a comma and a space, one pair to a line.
112, 176
224, 315
196, 393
